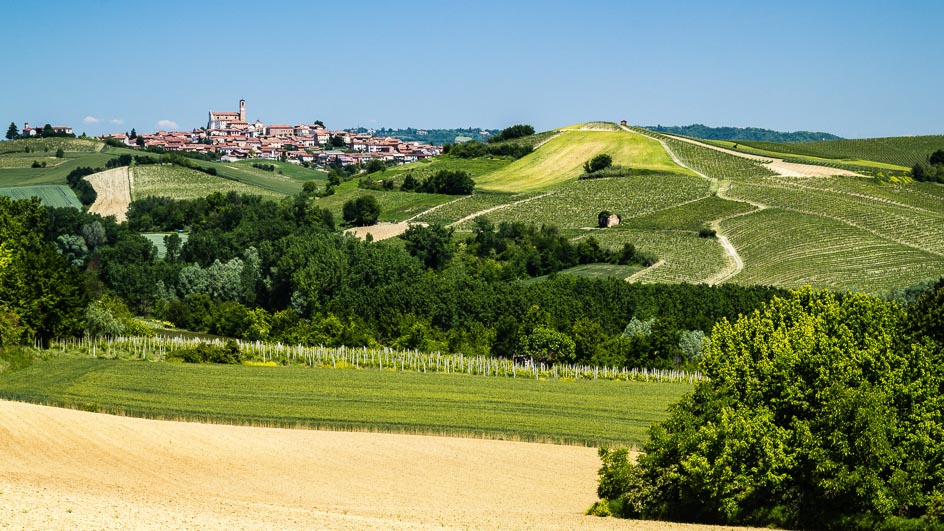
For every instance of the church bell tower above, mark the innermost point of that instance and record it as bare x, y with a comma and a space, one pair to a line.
242, 110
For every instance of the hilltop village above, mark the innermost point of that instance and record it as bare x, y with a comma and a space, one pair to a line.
231, 137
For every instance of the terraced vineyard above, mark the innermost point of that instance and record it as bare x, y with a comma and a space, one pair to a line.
904, 224
790, 249
689, 216
684, 257
51, 195
576, 204
900, 151
183, 183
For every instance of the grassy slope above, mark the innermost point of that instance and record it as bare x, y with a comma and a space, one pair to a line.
581, 412
52, 195
394, 206
561, 159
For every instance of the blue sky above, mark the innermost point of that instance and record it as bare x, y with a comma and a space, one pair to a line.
856, 69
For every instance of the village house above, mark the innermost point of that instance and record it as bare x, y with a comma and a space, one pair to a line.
38, 131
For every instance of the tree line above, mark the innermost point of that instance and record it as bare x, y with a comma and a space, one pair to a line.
279, 271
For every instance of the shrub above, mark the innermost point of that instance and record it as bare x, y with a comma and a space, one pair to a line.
707, 232
361, 211
226, 353
597, 163
515, 131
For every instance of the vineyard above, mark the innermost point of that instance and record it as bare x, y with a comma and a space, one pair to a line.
52, 195
77, 145
904, 151
399, 397
183, 183
576, 204
823, 252
683, 256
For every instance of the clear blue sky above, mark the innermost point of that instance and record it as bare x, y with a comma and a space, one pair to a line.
856, 69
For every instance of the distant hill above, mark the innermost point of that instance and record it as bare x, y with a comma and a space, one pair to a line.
437, 137
741, 133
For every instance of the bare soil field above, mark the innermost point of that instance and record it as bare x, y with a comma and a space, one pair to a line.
382, 230
114, 192
65, 469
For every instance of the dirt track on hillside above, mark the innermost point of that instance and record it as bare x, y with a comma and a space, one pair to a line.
114, 193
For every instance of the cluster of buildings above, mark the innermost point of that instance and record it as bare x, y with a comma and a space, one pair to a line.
232, 136
38, 131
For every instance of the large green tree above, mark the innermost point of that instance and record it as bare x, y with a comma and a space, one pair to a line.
12, 131
37, 284
818, 411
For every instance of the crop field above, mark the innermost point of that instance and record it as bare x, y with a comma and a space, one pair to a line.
576, 204
561, 159
15, 168
683, 255
903, 151
51, 195
689, 216
577, 412
183, 183
791, 249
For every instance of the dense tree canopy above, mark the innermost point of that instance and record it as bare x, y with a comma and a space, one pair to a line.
819, 411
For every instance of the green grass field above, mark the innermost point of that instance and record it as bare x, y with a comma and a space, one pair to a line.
15, 168
590, 412
38, 145
561, 159
426, 167
394, 206
51, 195
183, 183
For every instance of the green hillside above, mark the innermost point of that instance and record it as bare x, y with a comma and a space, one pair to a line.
52, 195
903, 151
561, 159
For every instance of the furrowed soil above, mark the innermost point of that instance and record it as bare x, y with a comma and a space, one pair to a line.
66, 469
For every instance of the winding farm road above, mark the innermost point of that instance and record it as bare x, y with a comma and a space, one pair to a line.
737, 265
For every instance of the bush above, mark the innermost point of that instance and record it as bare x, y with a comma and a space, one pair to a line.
515, 131
226, 353
597, 163
707, 232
